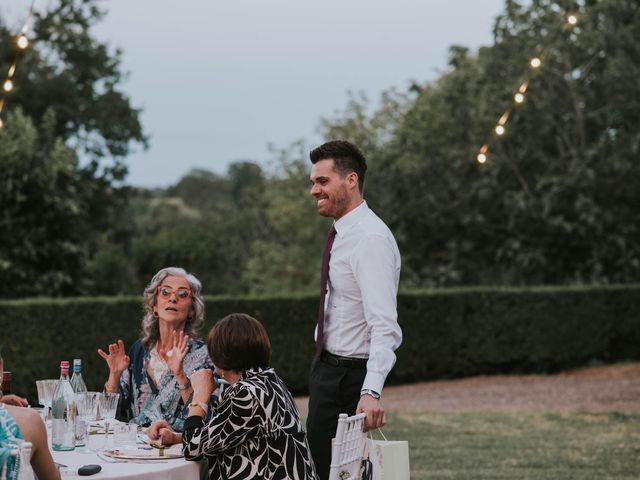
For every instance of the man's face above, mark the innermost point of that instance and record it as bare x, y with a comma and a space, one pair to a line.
331, 190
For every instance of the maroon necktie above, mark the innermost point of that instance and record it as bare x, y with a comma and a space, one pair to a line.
324, 279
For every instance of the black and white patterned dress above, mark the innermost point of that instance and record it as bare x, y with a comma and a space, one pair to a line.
254, 433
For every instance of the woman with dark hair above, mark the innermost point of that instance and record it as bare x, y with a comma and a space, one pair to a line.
255, 430
153, 379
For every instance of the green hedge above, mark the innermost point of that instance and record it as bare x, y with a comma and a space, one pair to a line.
447, 333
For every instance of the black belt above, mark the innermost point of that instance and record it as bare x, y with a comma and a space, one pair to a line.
345, 362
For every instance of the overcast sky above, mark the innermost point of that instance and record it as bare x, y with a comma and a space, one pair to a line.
218, 81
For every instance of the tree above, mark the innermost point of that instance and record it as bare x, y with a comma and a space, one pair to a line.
68, 71
553, 205
286, 256
41, 228
62, 200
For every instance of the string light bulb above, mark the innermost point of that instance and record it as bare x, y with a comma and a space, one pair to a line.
570, 20
23, 41
1, 124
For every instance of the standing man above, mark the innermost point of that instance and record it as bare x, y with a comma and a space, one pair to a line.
357, 331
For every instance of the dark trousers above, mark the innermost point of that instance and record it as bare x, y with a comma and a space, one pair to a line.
332, 390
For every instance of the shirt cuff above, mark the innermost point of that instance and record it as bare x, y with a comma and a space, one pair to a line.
192, 422
373, 381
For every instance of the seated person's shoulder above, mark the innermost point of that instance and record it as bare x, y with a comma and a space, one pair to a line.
28, 420
200, 353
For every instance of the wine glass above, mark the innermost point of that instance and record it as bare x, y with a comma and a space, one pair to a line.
108, 403
87, 404
45, 394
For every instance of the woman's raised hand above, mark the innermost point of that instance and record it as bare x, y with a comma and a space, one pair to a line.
174, 356
117, 358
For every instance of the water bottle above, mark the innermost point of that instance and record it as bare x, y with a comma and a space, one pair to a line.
78, 385
63, 411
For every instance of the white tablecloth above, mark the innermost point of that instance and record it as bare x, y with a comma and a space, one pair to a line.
173, 469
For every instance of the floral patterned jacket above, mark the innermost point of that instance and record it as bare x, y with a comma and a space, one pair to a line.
143, 402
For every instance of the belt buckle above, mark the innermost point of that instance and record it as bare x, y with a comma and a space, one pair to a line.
330, 359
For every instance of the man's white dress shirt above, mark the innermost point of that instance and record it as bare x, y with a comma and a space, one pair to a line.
361, 319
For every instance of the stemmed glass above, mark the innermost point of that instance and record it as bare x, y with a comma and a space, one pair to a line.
108, 405
87, 404
45, 394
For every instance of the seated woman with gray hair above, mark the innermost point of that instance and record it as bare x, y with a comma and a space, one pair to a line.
153, 379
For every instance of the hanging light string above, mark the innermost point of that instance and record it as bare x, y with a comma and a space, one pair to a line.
535, 64
22, 42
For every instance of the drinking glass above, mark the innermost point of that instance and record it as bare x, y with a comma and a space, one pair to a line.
45, 393
108, 403
87, 405
125, 435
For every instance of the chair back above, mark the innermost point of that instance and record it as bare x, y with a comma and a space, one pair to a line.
348, 447
26, 471
22, 469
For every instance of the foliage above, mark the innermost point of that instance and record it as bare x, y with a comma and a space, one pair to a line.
448, 333
70, 72
249, 231
286, 257
52, 210
61, 150
205, 224
554, 204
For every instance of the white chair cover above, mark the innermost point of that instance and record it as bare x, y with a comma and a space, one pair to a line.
348, 448
24, 471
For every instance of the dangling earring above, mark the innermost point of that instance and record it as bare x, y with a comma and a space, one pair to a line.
155, 313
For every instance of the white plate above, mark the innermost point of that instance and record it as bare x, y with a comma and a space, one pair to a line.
146, 453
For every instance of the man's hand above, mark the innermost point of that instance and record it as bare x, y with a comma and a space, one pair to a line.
375, 413
14, 400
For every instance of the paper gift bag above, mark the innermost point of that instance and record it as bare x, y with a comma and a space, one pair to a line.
387, 460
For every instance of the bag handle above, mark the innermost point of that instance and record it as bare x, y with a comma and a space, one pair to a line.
380, 432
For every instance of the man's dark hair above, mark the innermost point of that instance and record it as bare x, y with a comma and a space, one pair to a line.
346, 156
239, 342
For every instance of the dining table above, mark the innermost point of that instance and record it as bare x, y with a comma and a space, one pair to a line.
129, 467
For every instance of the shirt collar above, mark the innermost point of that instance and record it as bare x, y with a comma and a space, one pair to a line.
350, 219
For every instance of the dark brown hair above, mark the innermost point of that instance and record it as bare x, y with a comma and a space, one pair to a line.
346, 157
239, 342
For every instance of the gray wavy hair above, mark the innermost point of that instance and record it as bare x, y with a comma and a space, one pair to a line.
150, 328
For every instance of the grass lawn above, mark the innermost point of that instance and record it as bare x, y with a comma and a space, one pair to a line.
517, 446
